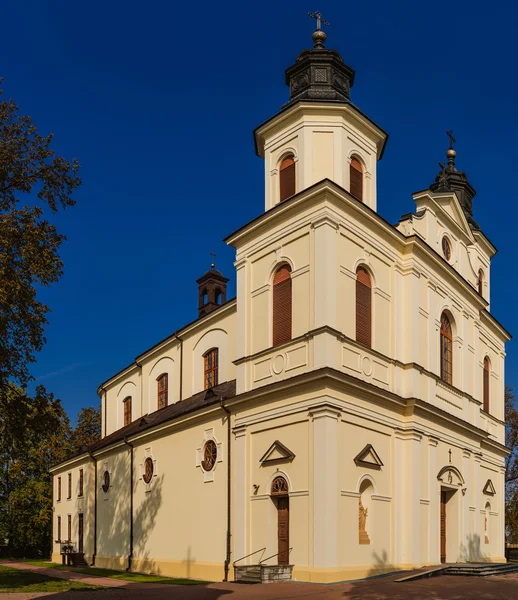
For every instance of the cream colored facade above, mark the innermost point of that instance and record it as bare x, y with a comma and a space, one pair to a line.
322, 395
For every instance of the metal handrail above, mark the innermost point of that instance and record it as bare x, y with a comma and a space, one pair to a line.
273, 556
251, 554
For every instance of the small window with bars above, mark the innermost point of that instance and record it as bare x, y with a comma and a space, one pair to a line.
81, 482
162, 390
69, 539
211, 364
126, 403
69, 494
446, 350
58, 537
282, 303
287, 178
363, 307
356, 179
59, 489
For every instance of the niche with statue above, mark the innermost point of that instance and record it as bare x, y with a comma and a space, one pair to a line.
364, 513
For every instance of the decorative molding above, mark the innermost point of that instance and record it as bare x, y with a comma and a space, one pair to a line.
350, 494
449, 474
368, 457
424, 501
380, 498
489, 488
276, 453
208, 435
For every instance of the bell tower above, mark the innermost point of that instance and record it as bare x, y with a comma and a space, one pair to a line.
319, 130
212, 290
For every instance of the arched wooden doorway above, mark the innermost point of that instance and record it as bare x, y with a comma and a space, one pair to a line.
281, 499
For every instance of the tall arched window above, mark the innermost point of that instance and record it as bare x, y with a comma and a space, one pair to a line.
287, 178
211, 362
356, 178
162, 384
480, 281
446, 350
127, 410
282, 305
363, 307
485, 393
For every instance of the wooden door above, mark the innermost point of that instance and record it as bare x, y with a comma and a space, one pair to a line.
80, 534
283, 529
443, 527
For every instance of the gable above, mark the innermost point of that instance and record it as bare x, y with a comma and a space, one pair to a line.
450, 207
368, 457
277, 452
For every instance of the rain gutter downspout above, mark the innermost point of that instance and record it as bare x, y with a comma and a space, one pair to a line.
95, 509
229, 489
181, 362
130, 556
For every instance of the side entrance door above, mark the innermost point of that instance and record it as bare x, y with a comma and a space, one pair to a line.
443, 527
283, 531
80, 534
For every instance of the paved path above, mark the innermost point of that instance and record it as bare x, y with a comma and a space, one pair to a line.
445, 587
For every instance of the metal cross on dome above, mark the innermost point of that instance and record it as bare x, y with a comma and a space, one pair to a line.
452, 139
320, 21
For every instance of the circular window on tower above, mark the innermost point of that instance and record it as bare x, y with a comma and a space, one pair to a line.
148, 470
210, 454
106, 482
446, 248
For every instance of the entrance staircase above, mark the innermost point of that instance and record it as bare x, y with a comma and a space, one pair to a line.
480, 569
262, 573
77, 559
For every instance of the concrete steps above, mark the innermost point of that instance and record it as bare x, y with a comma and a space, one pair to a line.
481, 569
77, 559
262, 573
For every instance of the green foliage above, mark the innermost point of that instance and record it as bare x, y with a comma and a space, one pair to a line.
88, 428
29, 244
34, 435
511, 467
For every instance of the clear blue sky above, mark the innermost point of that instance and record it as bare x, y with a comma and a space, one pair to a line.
158, 101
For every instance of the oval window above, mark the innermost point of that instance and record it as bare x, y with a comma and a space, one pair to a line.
210, 454
148, 470
446, 248
106, 482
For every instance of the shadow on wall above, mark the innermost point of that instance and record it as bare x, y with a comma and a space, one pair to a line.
473, 550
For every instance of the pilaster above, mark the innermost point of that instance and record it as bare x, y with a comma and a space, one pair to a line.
326, 271
325, 418
434, 532
241, 493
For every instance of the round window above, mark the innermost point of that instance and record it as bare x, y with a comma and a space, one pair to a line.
446, 248
106, 482
210, 454
148, 470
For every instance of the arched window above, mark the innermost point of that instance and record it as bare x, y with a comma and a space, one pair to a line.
487, 372
127, 410
287, 178
363, 307
356, 178
480, 281
162, 384
205, 297
282, 305
279, 487
210, 359
218, 297
446, 350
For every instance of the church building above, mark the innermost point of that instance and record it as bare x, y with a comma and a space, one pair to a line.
343, 415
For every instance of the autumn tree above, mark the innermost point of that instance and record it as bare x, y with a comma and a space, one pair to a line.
511, 466
87, 429
34, 184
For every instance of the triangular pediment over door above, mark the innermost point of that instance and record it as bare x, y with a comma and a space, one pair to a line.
277, 452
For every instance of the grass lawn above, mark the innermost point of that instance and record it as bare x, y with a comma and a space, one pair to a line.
13, 580
124, 575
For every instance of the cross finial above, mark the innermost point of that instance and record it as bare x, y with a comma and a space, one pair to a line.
213, 254
320, 21
449, 451
452, 139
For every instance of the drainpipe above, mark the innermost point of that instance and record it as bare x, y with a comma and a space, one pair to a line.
229, 489
130, 556
181, 361
95, 509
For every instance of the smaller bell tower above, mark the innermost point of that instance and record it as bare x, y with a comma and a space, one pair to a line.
212, 290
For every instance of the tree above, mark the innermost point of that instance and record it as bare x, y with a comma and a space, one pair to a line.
88, 428
511, 466
29, 244
34, 435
